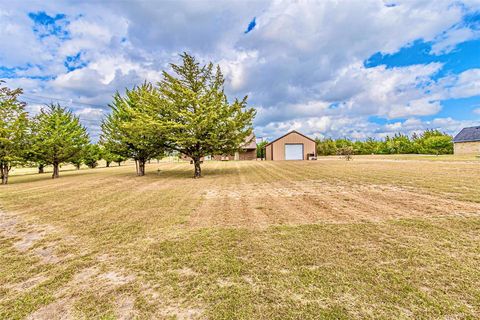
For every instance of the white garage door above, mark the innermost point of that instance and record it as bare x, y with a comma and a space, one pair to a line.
294, 151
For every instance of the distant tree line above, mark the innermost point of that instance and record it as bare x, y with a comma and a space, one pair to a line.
187, 112
428, 142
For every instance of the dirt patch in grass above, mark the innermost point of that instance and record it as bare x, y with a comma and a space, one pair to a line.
28, 284
180, 313
306, 202
116, 278
125, 309
32, 238
58, 310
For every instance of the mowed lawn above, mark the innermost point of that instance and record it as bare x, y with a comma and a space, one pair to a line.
376, 237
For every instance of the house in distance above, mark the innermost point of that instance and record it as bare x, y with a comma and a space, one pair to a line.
291, 146
467, 141
248, 151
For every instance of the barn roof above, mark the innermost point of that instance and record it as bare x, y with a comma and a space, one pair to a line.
468, 135
293, 131
250, 142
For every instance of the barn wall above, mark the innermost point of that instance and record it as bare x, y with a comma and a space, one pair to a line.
244, 155
248, 155
279, 146
466, 148
268, 152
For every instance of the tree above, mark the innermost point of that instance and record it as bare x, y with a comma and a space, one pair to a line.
77, 160
107, 156
326, 147
194, 114
125, 131
371, 146
398, 144
92, 153
261, 149
13, 130
343, 143
435, 142
119, 159
58, 136
346, 151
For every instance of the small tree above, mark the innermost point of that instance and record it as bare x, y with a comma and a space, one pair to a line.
125, 131
347, 152
261, 149
326, 147
58, 136
119, 159
371, 146
91, 155
77, 160
41, 167
195, 115
13, 130
107, 156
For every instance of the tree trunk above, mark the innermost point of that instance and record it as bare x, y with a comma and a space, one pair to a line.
55, 171
108, 164
119, 163
41, 168
4, 173
78, 166
140, 164
198, 170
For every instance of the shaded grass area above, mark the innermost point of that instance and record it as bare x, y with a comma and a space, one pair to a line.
127, 247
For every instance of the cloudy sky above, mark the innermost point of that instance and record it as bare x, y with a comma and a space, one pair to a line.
353, 68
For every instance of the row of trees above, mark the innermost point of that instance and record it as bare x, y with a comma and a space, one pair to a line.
187, 113
52, 137
428, 142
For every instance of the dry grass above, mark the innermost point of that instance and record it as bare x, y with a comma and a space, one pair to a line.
370, 238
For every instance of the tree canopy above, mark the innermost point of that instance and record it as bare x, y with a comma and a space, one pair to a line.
58, 136
195, 115
13, 130
187, 112
427, 142
125, 131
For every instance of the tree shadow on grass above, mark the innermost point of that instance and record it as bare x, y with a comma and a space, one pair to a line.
182, 173
150, 173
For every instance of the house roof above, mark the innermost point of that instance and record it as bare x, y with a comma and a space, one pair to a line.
250, 142
469, 134
293, 131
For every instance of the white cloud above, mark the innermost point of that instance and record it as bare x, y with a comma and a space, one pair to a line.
302, 65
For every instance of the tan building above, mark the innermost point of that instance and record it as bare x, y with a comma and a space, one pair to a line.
248, 151
467, 141
292, 146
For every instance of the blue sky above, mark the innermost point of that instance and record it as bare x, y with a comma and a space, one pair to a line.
336, 69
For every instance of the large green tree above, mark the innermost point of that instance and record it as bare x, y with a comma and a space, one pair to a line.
13, 130
434, 142
194, 114
125, 131
58, 136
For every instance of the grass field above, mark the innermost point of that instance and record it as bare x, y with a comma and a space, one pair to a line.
376, 237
